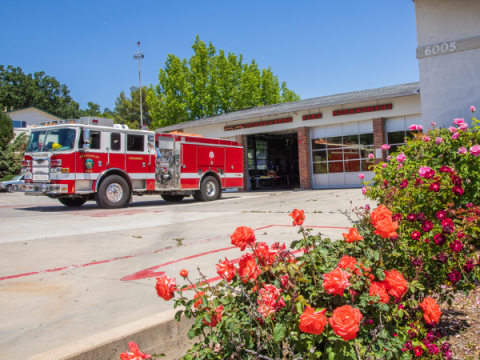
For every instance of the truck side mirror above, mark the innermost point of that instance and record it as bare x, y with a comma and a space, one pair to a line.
87, 137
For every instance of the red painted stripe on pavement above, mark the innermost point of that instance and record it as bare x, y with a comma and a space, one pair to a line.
144, 253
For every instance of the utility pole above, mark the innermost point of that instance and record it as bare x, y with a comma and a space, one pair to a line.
139, 55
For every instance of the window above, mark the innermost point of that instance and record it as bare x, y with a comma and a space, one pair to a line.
19, 124
94, 142
115, 141
257, 155
396, 139
337, 154
135, 142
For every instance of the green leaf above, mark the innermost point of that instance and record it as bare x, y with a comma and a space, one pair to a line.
189, 304
376, 255
178, 315
191, 334
279, 332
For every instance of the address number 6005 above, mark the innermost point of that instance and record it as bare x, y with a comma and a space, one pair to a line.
440, 48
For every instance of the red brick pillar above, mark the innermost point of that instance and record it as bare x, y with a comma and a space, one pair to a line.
379, 138
305, 166
242, 141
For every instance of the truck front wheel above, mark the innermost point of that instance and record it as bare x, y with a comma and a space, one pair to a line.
72, 202
112, 193
210, 189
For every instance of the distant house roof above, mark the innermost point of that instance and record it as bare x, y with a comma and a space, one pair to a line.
323, 101
34, 107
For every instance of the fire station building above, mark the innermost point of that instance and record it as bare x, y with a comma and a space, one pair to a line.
318, 143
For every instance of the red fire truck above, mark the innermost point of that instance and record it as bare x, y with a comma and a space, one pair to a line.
93, 159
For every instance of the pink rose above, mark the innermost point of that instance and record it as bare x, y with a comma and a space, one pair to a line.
463, 126
452, 129
426, 139
438, 140
455, 136
385, 147
472, 108
462, 150
364, 190
389, 158
433, 124
384, 166
401, 157
399, 166
475, 150
458, 121
412, 127
361, 176
423, 170
370, 156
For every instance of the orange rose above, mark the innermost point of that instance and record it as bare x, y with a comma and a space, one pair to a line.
312, 322
215, 318
166, 287
226, 270
431, 310
396, 284
352, 236
248, 269
183, 273
381, 219
347, 262
134, 353
366, 272
379, 288
199, 295
336, 281
264, 254
345, 322
298, 217
242, 237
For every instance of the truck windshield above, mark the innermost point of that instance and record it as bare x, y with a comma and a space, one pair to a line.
51, 140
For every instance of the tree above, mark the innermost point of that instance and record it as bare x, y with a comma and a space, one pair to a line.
11, 156
127, 109
6, 130
210, 84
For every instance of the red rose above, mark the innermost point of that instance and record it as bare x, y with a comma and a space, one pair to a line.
352, 235
269, 300
418, 351
226, 270
134, 353
345, 322
431, 310
264, 254
248, 269
396, 284
336, 281
242, 237
379, 288
312, 322
215, 318
183, 273
199, 295
347, 262
166, 287
298, 217
381, 220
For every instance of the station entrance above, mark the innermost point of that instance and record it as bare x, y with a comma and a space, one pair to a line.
273, 160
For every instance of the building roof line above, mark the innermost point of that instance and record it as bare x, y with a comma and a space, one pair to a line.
29, 107
319, 102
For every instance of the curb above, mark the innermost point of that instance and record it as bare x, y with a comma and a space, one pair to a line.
157, 334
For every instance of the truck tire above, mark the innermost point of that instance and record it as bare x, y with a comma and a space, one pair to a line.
112, 193
197, 195
209, 189
72, 202
174, 198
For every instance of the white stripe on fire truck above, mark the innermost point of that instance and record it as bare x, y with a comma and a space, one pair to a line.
133, 176
197, 176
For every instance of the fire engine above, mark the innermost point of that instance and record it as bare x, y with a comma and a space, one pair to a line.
94, 159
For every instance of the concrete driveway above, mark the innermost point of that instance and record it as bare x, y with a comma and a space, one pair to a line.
67, 274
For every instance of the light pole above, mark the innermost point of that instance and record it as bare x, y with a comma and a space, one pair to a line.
139, 55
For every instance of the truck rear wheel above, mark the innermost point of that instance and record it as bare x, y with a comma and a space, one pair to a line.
197, 195
112, 193
72, 202
209, 190
174, 198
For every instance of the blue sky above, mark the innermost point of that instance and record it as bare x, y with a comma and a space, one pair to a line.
318, 47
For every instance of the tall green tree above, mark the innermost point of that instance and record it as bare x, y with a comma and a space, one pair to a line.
210, 84
6, 130
127, 109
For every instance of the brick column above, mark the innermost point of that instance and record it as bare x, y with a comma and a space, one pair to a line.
242, 141
305, 166
379, 137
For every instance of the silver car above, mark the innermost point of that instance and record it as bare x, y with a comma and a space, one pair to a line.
9, 185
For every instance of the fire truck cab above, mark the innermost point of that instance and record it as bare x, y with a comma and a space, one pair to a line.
92, 159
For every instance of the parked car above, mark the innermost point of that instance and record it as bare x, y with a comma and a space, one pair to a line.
8, 185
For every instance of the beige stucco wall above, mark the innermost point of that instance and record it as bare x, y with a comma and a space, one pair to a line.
32, 116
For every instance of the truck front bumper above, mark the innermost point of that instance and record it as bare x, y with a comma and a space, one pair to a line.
42, 189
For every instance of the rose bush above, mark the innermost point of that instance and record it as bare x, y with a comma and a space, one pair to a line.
372, 295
